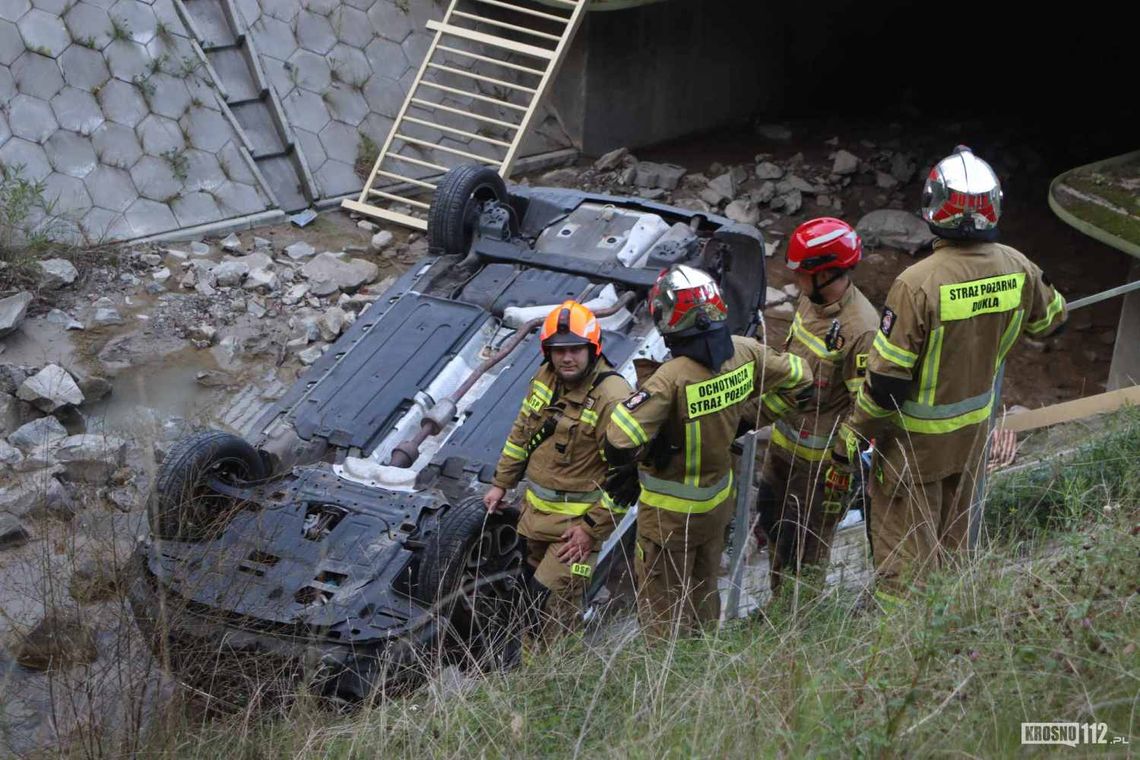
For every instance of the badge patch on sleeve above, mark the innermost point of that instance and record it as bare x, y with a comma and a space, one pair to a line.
636, 400
888, 322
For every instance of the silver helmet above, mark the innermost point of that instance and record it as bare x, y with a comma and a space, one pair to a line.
686, 301
962, 196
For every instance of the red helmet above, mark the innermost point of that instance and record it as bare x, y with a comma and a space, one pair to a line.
686, 301
821, 244
571, 324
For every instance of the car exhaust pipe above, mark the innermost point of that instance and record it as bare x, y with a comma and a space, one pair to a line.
408, 451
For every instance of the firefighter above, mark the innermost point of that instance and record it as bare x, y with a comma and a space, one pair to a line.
948, 324
681, 423
832, 331
556, 441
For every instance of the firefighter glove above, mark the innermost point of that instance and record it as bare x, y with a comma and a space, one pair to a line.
622, 485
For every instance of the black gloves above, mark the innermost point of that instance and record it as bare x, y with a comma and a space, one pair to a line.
622, 485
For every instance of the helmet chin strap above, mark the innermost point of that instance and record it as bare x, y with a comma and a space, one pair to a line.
816, 294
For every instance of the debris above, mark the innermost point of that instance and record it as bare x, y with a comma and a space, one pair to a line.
367, 226
58, 641
331, 323
38, 435
612, 160
12, 311
328, 273
789, 203
262, 280
845, 163
202, 336
230, 273
232, 243
649, 174
12, 532
792, 182
381, 240
10, 456
90, 458
63, 319
57, 273
768, 170
299, 250
785, 309
765, 193
50, 388
161, 275
565, 177
902, 167
106, 316
309, 355
743, 211
724, 186
895, 229
295, 293
885, 181
199, 249
303, 218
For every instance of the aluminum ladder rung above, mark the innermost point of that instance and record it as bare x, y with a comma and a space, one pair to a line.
492, 40
495, 61
481, 78
504, 25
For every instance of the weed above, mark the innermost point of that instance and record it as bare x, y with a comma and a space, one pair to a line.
87, 42
367, 151
179, 163
119, 29
29, 224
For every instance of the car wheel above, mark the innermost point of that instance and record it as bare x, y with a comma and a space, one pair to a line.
456, 206
183, 504
470, 571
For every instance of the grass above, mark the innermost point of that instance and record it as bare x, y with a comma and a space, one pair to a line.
1042, 626
367, 151
29, 226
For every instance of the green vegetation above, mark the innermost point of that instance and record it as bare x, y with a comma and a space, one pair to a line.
367, 151
29, 226
1041, 627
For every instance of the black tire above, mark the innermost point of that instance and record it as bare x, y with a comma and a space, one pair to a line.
183, 507
470, 570
456, 206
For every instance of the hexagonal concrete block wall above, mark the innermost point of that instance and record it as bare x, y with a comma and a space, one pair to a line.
106, 103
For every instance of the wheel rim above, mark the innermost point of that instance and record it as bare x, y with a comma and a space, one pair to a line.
480, 197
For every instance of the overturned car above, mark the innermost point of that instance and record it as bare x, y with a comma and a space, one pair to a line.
345, 542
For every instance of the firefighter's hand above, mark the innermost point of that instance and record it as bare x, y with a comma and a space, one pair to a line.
622, 485
493, 499
577, 547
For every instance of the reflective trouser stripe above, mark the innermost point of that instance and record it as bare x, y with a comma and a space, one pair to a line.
678, 497
796, 447
945, 418
693, 453
928, 380
630, 426
514, 451
892, 353
1055, 308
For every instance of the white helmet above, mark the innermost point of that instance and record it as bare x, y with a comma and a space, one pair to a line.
962, 197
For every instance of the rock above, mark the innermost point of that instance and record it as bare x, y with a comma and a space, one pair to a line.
724, 186
627, 175
38, 435
765, 193
204, 288
895, 229
902, 167
126, 498
261, 280
150, 259
332, 323
299, 250
743, 211
327, 274
11, 377
712, 197
785, 309
258, 261
32, 493
90, 458
63, 319
10, 456
95, 581
57, 273
12, 532
161, 275
792, 202
793, 182
232, 243
652, 193
768, 170
775, 132
885, 181
50, 388
366, 225
13, 413
188, 281
175, 256
565, 177
845, 163
202, 335
309, 355
94, 387
59, 641
255, 309
612, 160
295, 293
200, 249
229, 274
106, 316
381, 240
155, 289
650, 174
13, 309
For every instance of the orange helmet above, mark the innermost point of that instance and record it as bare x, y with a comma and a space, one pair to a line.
571, 324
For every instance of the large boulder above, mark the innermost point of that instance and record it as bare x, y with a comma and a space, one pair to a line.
895, 229
50, 388
90, 458
38, 435
327, 270
33, 493
57, 273
13, 309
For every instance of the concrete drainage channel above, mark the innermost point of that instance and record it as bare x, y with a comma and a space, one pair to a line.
255, 109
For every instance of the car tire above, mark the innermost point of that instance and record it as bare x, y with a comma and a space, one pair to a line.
456, 206
469, 571
182, 505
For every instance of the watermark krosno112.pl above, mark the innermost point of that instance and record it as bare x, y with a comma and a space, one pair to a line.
1069, 734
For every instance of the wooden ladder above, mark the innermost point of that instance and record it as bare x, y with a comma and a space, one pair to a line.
473, 99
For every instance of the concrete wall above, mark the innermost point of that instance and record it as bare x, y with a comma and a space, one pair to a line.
650, 74
109, 104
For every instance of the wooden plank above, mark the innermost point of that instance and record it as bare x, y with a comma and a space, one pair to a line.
492, 40
454, 131
400, 199
367, 209
417, 162
445, 149
488, 59
504, 25
484, 98
481, 78
527, 11
429, 105
1070, 410
409, 180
